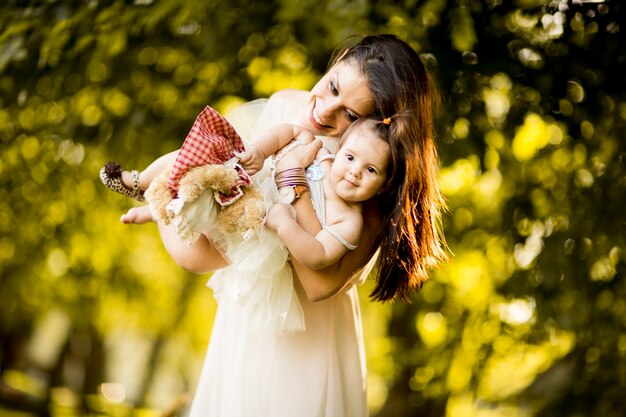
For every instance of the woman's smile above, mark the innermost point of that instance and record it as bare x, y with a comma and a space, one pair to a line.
316, 120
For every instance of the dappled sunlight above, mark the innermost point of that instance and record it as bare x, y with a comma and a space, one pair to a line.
461, 128
460, 177
517, 311
381, 364
496, 99
527, 317
487, 194
113, 392
278, 79
432, 328
290, 69
118, 103
526, 253
512, 365
497, 105
474, 194
58, 263
128, 352
538, 29
465, 405
605, 268
466, 355
531, 58
534, 135
507, 373
463, 33
469, 279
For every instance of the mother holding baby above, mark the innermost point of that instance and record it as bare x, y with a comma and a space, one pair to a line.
321, 371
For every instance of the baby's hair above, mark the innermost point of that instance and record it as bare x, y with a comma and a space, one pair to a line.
410, 237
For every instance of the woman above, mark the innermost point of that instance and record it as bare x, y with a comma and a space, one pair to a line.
321, 371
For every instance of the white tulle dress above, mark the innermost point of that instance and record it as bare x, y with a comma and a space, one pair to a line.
309, 362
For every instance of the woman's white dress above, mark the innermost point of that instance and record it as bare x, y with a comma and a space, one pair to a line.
314, 368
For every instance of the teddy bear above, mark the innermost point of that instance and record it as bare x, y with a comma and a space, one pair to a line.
240, 207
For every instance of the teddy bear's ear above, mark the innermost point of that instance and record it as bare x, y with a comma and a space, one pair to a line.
245, 215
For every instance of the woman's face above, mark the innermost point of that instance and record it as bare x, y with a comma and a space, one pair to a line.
338, 99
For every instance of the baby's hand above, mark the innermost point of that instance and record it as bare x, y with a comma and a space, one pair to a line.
277, 215
252, 159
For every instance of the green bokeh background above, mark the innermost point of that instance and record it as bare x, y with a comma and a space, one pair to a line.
527, 320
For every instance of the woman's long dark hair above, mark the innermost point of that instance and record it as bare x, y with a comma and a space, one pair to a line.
410, 237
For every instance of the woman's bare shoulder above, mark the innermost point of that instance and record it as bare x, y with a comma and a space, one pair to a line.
289, 94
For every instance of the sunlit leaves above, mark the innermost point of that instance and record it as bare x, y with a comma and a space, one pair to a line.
534, 135
532, 143
508, 373
118, 103
55, 42
497, 99
469, 279
432, 328
605, 268
430, 12
12, 50
461, 128
462, 34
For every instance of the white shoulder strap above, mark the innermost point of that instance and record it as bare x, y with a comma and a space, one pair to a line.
340, 238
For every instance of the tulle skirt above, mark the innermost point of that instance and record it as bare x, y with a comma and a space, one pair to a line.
319, 372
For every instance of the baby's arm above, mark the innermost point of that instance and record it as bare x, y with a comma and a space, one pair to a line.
270, 142
314, 252
324, 283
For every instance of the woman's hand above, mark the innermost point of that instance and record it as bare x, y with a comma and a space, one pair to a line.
299, 156
276, 215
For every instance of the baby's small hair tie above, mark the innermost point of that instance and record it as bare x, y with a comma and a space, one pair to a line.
387, 121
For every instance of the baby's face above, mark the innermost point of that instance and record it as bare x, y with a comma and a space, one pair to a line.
360, 167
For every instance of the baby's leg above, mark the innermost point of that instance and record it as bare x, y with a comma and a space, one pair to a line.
147, 175
201, 257
137, 215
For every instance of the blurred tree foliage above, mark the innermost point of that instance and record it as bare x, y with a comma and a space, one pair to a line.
528, 319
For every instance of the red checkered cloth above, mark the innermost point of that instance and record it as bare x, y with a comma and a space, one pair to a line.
212, 140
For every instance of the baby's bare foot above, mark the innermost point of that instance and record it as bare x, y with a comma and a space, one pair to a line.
137, 215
